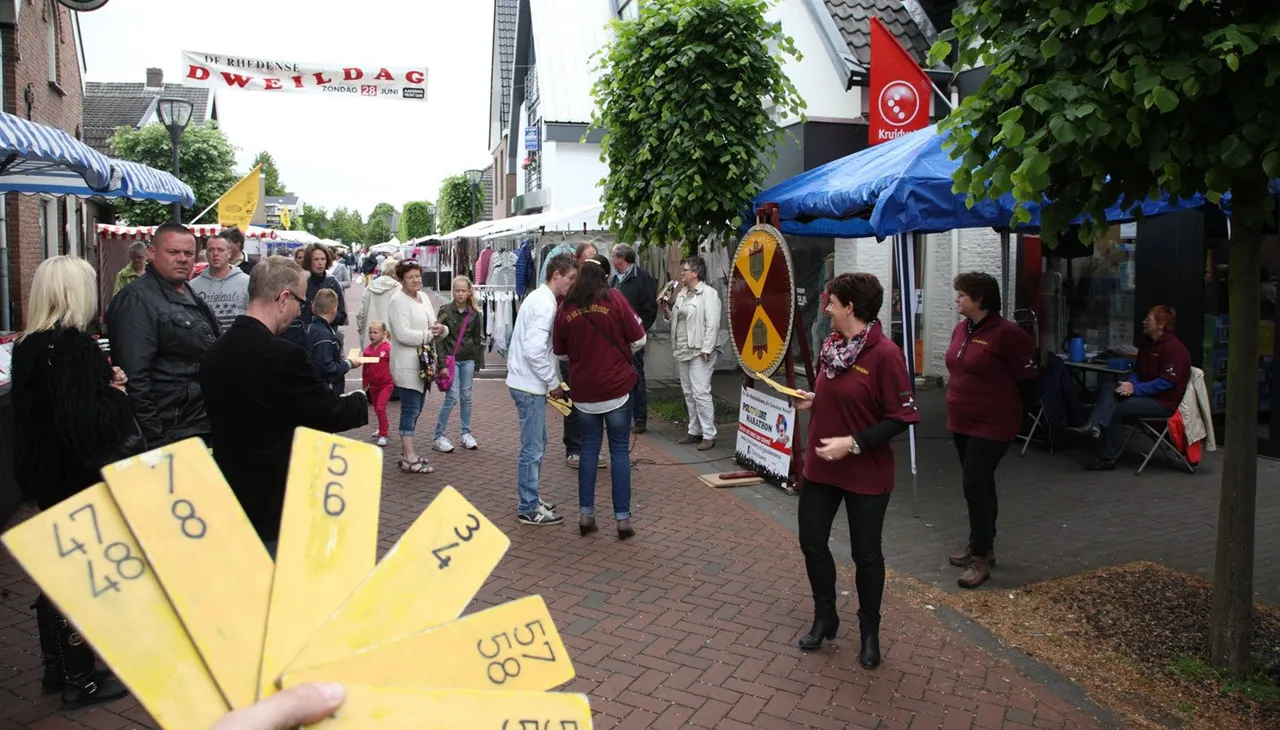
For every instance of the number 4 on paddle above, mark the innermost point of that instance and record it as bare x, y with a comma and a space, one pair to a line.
445, 556
207, 555
328, 540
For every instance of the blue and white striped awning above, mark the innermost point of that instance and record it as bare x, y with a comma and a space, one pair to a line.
140, 182
32, 155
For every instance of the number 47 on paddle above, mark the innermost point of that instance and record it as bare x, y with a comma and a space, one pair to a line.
184, 602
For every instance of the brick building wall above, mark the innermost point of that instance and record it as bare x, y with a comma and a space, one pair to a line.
504, 185
57, 103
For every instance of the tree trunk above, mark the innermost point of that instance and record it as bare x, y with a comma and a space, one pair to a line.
1231, 614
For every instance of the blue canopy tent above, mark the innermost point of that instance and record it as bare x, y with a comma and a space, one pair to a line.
905, 186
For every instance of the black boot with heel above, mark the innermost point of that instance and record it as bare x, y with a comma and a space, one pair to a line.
70, 665
869, 627
826, 623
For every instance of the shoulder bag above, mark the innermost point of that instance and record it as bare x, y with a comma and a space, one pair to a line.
446, 371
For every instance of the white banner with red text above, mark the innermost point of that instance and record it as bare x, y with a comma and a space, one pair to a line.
766, 428
282, 76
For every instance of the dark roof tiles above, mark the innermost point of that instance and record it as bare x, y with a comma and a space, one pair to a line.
108, 105
852, 17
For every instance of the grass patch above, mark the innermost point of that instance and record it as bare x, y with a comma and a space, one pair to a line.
1258, 686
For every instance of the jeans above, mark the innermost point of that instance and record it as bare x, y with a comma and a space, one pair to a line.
817, 510
695, 381
618, 423
1113, 411
464, 373
380, 394
639, 394
572, 429
979, 458
532, 411
410, 407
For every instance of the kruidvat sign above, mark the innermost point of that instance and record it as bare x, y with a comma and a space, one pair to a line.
282, 76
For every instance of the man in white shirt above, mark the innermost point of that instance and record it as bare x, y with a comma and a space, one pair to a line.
531, 375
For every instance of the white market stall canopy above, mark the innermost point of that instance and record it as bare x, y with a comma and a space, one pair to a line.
144, 233
571, 219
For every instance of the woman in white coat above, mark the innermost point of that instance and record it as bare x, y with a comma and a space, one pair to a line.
695, 328
412, 321
375, 303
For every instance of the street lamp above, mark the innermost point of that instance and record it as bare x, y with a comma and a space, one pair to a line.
474, 177
175, 115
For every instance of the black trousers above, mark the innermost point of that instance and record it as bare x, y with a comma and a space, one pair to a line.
572, 429
819, 504
979, 458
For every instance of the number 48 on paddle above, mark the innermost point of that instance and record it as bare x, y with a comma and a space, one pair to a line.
166, 577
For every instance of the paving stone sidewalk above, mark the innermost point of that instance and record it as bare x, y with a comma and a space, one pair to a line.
689, 624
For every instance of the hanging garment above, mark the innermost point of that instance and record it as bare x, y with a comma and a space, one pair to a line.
524, 268
482, 265
565, 247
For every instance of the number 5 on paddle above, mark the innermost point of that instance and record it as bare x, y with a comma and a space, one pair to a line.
84, 558
328, 540
444, 558
514, 646
207, 555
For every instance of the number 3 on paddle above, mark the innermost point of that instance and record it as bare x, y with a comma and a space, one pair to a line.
471, 532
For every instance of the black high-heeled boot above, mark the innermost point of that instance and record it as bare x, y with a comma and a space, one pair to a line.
869, 627
825, 625
83, 684
47, 629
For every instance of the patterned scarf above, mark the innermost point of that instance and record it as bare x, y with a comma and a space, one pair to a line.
838, 356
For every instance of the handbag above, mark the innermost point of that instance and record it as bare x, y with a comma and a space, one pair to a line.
427, 362
445, 373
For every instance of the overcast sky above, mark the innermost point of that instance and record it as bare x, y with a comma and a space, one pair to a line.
333, 152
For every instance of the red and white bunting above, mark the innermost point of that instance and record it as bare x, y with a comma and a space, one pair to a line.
144, 233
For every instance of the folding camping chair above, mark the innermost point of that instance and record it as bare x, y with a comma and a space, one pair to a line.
1157, 429
1027, 320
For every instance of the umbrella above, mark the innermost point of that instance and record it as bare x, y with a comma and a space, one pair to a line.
33, 156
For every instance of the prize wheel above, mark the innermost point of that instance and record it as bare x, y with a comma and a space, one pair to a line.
762, 300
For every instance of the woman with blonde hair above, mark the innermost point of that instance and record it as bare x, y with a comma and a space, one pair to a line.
465, 342
75, 419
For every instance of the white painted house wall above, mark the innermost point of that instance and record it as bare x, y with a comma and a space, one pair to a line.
870, 256
571, 172
814, 76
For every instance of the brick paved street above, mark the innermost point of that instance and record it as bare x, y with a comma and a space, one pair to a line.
689, 624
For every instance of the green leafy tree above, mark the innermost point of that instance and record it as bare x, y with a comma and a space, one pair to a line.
314, 220
687, 138
416, 220
459, 204
377, 231
207, 163
270, 174
348, 226
1088, 101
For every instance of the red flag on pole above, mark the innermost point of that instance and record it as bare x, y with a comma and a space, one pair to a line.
900, 90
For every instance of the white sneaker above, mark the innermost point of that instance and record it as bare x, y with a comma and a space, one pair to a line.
382, 440
442, 444
375, 435
469, 442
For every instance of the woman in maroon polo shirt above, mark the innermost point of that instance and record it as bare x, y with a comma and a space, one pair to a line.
861, 400
598, 333
994, 376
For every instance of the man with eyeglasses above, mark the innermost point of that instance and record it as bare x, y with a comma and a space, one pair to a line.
260, 387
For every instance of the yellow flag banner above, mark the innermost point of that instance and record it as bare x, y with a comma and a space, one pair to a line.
285, 218
239, 203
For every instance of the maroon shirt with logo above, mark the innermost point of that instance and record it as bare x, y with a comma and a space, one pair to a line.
598, 340
986, 367
1165, 358
875, 389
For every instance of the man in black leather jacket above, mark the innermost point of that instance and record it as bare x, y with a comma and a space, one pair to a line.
638, 286
159, 333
